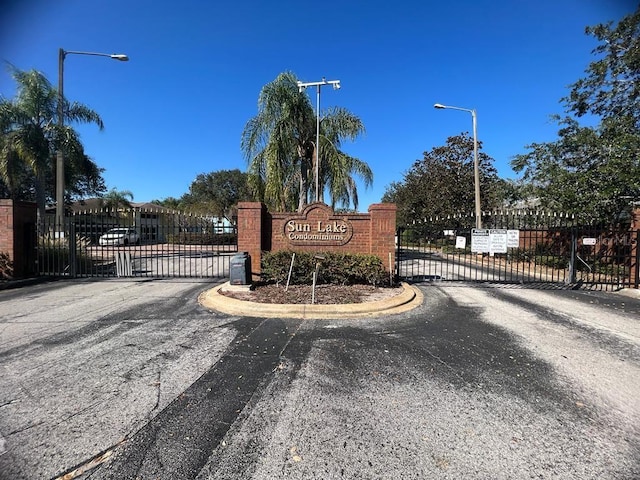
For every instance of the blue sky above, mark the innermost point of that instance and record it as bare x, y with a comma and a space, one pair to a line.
179, 106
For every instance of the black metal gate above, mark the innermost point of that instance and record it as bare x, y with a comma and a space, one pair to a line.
519, 247
136, 243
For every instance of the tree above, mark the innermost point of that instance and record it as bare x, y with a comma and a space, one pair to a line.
441, 183
170, 202
612, 85
83, 177
117, 199
218, 193
30, 136
595, 171
279, 144
337, 169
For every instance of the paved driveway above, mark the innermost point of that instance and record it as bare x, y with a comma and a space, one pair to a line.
137, 380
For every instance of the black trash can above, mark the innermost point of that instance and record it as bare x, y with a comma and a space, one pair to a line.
240, 269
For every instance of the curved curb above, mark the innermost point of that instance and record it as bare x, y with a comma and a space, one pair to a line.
410, 298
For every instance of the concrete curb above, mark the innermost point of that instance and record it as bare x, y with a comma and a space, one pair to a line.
629, 292
25, 282
410, 298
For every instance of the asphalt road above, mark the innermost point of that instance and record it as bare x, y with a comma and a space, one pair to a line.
135, 380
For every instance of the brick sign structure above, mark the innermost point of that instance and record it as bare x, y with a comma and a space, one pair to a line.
317, 229
18, 237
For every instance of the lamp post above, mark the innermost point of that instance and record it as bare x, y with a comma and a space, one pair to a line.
60, 155
301, 87
476, 171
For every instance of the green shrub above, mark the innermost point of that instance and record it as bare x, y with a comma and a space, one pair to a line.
552, 261
602, 268
54, 255
452, 249
335, 268
410, 237
520, 255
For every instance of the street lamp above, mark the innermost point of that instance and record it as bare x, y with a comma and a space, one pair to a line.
301, 87
60, 155
476, 172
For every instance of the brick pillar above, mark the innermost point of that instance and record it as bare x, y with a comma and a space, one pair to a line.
383, 232
250, 230
634, 270
6, 239
17, 237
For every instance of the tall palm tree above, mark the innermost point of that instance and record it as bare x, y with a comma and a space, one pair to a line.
30, 132
280, 146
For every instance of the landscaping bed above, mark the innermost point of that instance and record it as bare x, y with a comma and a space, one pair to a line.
324, 294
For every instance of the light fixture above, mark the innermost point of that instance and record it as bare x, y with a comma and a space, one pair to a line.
301, 87
476, 170
62, 54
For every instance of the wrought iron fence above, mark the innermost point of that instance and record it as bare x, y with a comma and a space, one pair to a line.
519, 247
136, 242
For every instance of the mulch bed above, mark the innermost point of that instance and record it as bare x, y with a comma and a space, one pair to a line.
324, 295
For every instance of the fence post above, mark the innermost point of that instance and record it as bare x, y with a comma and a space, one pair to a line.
398, 250
73, 260
634, 259
572, 259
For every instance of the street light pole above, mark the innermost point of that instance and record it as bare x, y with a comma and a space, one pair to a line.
476, 169
59, 154
301, 87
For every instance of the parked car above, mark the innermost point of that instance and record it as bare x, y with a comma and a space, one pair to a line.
120, 236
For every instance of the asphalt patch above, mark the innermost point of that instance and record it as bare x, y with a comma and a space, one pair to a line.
178, 441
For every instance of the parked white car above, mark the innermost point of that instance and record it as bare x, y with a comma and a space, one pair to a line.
120, 236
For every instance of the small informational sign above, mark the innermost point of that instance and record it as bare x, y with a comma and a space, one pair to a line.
589, 241
480, 240
461, 242
513, 238
498, 240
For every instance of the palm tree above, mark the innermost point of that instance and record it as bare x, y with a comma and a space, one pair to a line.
117, 199
30, 134
336, 167
279, 143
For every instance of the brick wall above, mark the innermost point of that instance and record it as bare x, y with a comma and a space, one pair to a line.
372, 233
17, 236
250, 231
383, 232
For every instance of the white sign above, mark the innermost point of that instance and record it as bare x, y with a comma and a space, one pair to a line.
498, 240
588, 241
461, 242
513, 238
480, 240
